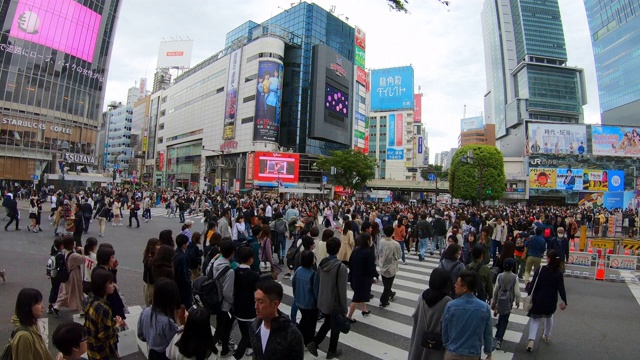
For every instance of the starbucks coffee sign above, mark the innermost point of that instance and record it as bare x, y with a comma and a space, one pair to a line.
80, 159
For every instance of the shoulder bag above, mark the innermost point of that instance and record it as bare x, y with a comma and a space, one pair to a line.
527, 302
265, 266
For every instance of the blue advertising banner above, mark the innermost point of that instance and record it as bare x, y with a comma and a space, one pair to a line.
392, 89
616, 180
420, 144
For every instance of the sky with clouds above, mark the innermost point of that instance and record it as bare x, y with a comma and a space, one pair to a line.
444, 45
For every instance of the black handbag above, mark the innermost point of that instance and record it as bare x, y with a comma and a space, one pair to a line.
431, 340
338, 320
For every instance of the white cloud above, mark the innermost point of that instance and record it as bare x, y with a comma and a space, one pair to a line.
444, 45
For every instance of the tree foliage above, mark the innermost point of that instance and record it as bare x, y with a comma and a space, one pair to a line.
437, 168
489, 164
353, 169
401, 5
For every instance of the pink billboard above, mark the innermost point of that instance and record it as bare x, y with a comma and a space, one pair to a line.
417, 108
399, 129
63, 25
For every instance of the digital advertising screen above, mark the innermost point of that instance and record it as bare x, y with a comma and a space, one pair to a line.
336, 101
266, 125
269, 166
548, 138
63, 25
615, 140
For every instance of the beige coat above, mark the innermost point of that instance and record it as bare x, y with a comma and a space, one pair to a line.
70, 295
346, 246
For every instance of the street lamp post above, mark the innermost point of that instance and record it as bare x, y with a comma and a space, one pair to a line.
221, 165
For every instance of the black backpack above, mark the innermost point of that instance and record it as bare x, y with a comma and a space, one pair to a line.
281, 227
7, 353
212, 251
291, 254
206, 291
61, 270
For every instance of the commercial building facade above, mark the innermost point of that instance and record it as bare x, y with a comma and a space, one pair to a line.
260, 99
615, 34
527, 74
52, 83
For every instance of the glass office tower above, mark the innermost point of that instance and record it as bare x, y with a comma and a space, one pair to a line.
615, 34
527, 75
315, 26
54, 57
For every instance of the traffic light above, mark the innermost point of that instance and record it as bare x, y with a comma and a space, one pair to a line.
489, 192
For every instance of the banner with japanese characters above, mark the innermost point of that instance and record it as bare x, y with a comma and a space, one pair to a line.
392, 89
231, 102
542, 178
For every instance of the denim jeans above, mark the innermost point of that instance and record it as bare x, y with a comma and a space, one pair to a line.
181, 216
283, 245
503, 321
438, 241
402, 248
424, 246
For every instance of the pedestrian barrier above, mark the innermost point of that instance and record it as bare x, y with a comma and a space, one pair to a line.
580, 264
626, 266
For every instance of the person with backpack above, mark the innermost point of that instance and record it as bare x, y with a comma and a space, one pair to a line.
133, 212
26, 341
520, 255
452, 265
280, 227
69, 274
332, 298
194, 255
305, 284
239, 232
506, 291
225, 280
498, 237
484, 290
56, 259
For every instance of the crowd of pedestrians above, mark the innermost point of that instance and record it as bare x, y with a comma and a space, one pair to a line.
248, 245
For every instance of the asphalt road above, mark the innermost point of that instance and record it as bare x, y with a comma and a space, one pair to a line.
599, 323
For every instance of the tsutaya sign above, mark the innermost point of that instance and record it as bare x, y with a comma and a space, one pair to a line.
80, 159
36, 125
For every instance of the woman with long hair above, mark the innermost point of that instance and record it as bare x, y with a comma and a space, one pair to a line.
116, 208
427, 318
162, 264
547, 283
193, 341
28, 342
362, 271
347, 242
266, 252
451, 264
33, 214
166, 238
157, 324
150, 251
70, 294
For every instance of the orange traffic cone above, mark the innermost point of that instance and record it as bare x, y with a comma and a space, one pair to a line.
627, 252
590, 250
600, 271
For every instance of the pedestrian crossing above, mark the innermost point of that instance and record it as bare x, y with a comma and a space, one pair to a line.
386, 332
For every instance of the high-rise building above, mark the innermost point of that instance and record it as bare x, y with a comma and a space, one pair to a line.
118, 137
473, 130
53, 74
615, 34
527, 73
260, 106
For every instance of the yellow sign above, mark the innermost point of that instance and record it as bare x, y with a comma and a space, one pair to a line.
602, 244
631, 244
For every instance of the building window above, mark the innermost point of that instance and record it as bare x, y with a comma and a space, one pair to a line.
250, 77
162, 113
247, 120
161, 126
248, 98
160, 140
219, 90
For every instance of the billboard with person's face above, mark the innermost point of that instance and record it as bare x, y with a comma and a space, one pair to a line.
266, 124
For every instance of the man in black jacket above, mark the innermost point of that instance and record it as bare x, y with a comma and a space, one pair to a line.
283, 339
439, 231
12, 211
424, 233
79, 225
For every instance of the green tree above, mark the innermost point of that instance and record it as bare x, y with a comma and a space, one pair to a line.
401, 5
353, 169
442, 175
484, 178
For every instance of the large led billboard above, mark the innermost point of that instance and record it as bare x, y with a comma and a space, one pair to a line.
553, 138
574, 179
270, 166
63, 25
336, 101
392, 89
615, 141
268, 101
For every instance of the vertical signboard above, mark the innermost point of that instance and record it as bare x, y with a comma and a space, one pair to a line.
417, 108
420, 145
394, 137
142, 92
266, 125
360, 57
360, 124
231, 101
